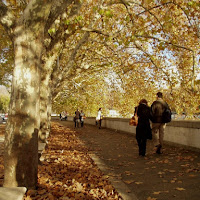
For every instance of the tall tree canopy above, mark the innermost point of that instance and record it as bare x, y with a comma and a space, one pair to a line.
148, 44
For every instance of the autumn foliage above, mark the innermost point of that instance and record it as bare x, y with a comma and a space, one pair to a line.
67, 172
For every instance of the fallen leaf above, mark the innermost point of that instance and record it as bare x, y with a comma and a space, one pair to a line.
192, 175
180, 189
41, 192
138, 183
150, 198
156, 192
129, 182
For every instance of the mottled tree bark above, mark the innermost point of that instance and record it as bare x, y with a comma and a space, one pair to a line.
21, 138
44, 113
45, 93
21, 145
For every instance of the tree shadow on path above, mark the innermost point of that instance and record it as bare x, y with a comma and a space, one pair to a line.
175, 174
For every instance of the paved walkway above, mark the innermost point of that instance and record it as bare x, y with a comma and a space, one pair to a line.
173, 175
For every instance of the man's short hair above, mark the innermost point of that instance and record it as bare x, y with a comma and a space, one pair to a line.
144, 101
159, 94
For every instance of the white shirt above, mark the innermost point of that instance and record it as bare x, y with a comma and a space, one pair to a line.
98, 115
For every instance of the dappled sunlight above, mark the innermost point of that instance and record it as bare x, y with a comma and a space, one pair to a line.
173, 174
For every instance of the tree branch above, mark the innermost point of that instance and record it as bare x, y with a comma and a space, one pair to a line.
58, 10
165, 41
95, 31
152, 61
7, 19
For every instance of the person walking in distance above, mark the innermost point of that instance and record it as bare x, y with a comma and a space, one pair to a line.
158, 107
82, 117
143, 129
99, 118
77, 118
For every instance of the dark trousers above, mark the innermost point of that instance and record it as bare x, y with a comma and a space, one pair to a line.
142, 146
100, 123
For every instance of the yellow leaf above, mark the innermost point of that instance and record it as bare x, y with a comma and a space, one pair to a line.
157, 192
150, 198
31, 192
172, 171
180, 189
138, 183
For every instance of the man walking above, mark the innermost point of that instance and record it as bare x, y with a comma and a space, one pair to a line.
77, 118
158, 123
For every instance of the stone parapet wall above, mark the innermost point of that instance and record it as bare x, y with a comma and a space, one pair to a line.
181, 132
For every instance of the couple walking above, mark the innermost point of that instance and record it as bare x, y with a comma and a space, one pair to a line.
79, 117
143, 130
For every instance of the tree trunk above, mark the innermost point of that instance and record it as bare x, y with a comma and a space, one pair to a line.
45, 94
21, 139
43, 110
49, 111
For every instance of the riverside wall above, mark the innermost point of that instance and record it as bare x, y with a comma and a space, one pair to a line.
177, 132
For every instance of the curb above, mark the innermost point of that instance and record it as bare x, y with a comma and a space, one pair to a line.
119, 185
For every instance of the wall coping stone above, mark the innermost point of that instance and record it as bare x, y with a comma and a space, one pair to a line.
175, 123
15, 193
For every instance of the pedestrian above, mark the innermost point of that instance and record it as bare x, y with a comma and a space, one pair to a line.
77, 118
65, 115
143, 128
158, 107
99, 118
82, 117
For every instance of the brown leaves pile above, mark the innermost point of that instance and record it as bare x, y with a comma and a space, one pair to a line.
67, 171
2, 129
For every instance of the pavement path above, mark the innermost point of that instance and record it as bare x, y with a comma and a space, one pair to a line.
175, 174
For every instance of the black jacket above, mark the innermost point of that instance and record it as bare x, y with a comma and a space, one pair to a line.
143, 129
157, 109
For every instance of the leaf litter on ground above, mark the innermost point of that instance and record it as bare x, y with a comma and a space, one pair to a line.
68, 172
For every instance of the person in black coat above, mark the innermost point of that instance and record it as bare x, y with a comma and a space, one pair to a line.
143, 129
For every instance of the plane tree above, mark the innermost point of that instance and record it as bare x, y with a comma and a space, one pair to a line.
26, 23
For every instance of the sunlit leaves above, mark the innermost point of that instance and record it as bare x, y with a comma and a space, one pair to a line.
6, 57
151, 45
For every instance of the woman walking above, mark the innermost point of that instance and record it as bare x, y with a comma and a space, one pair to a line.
99, 118
143, 129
